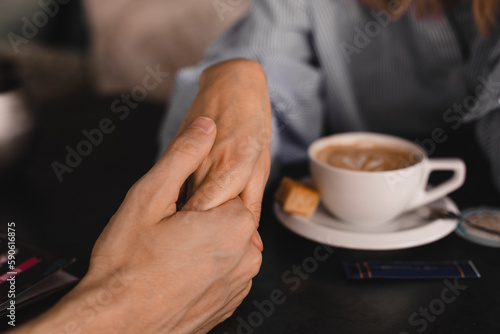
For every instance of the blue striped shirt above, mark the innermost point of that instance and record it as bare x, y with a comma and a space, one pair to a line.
334, 66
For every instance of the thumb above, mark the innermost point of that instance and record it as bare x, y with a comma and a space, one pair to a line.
158, 190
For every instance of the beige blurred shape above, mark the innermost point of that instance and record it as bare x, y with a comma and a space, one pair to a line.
127, 36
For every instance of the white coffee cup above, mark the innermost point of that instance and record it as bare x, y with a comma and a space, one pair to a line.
373, 197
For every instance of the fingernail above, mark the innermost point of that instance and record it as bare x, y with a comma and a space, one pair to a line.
203, 123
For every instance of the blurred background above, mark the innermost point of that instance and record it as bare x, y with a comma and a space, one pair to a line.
46, 79
47, 48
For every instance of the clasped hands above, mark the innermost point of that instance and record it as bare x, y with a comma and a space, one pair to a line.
183, 271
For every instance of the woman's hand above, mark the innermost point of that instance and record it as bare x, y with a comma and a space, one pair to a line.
235, 95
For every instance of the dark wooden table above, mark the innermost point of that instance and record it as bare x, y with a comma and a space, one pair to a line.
67, 217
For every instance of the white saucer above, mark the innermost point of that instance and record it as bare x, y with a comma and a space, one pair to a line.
409, 230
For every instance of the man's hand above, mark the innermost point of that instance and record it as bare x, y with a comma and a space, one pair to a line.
235, 95
181, 271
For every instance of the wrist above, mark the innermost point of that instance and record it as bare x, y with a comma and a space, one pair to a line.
91, 307
240, 69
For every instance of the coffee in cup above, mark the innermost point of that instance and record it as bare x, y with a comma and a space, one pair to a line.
372, 178
367, 156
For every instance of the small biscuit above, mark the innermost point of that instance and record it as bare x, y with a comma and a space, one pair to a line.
296, 197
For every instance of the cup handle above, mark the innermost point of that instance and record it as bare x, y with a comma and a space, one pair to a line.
424, 196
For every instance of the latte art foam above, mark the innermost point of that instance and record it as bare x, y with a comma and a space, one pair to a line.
366, 158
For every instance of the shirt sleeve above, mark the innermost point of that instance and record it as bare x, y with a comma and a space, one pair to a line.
277, 34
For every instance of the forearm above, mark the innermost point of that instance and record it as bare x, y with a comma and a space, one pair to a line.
238, 86
242, 71
88, 308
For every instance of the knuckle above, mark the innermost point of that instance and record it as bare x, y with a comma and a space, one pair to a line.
207, 192
227, 315
255, 264
185, 145
139, 190
246, 291
247, 221
226, 170
222, 180
256, 209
